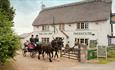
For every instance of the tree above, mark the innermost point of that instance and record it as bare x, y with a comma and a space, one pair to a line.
9, 41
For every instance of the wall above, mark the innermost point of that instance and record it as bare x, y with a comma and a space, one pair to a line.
100, 30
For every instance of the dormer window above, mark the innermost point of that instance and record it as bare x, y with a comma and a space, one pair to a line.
82, 25
45, 28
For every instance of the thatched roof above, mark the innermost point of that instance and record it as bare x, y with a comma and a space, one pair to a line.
75, 12
24, 35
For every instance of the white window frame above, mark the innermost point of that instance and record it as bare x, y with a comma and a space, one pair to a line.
76, 40
45, 40
45, 27
86, 25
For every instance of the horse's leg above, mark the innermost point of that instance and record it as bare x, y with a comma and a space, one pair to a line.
52, 54
57, 54
50, 57
43, 54
39, 54
60, 53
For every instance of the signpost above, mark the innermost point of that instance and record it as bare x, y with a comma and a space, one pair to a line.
112, 20
102, 51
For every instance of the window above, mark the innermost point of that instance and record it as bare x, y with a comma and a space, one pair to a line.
45, 40
45, 27
62, 26
78, 25
37, 26
81, 41
86, 25
82, 25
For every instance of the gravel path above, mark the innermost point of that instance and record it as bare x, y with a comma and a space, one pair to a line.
27, 63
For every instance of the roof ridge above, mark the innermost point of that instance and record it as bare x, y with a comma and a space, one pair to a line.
67, 5
70, 4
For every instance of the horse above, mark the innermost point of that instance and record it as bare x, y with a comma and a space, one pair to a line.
45, 48
49, 49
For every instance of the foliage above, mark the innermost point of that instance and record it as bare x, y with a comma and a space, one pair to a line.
111, 52
102, 61
6, 9
111, 55
9, 42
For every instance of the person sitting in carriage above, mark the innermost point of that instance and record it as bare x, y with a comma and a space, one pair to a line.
31, 45
32, 39
26, 46
36, 40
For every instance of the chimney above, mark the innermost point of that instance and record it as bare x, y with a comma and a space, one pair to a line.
42, 5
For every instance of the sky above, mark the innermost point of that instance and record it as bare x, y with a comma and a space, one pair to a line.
28, 10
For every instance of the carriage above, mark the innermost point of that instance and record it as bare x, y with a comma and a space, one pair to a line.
42, 48
29, 48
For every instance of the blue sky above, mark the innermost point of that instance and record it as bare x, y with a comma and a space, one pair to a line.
27, 11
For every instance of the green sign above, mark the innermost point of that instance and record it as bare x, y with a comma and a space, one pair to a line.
113, 19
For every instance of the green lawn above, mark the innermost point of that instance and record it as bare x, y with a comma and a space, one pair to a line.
104, 61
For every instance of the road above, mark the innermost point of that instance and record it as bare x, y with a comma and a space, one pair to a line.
28, 63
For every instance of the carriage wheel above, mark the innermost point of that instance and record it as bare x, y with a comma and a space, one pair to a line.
24, 53
32, 54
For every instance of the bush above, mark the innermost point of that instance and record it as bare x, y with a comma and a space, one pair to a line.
9, 42
111, 52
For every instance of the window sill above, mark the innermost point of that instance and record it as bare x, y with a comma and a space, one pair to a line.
82, 29
45, 30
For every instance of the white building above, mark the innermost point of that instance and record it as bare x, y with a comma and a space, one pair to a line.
84, 22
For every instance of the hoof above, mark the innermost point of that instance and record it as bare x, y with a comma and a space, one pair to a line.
50, 60
38, 57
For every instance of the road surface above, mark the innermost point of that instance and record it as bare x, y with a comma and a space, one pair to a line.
28, 63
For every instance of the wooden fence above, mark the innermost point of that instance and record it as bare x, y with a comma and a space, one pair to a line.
71, 53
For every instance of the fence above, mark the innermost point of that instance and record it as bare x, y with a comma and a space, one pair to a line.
71, 53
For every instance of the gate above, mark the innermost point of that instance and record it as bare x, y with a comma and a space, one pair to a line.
71, 53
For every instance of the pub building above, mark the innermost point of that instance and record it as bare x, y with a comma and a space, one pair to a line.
86, 22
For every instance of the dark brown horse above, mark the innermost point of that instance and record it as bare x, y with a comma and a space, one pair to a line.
49, 49
45, 48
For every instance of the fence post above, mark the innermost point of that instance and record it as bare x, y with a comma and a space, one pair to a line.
83, 53
79, 58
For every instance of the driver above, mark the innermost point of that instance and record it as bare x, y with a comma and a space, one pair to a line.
36, 40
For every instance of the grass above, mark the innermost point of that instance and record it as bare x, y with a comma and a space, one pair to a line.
104, 61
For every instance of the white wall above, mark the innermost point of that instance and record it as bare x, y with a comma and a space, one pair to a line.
100, 29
